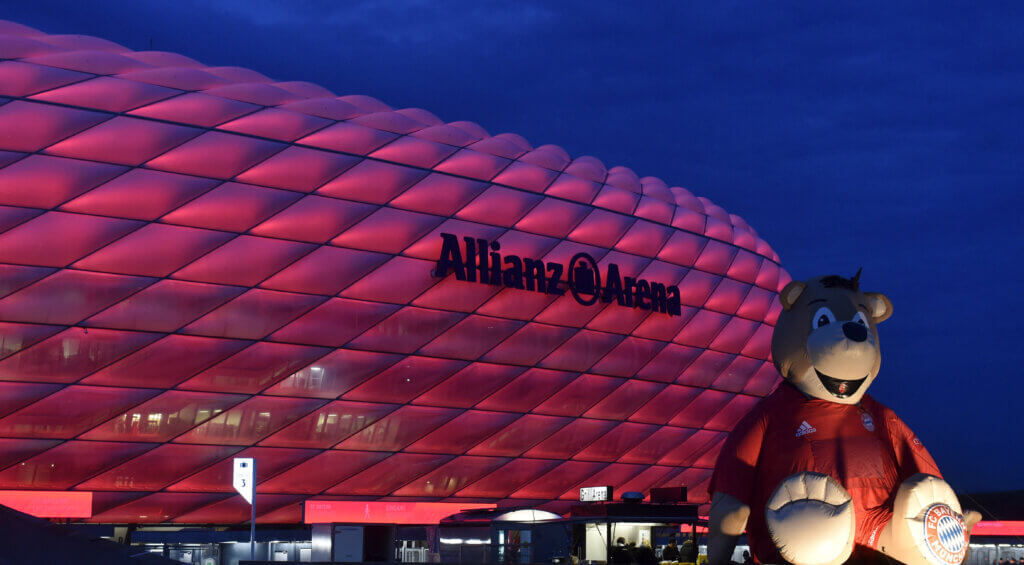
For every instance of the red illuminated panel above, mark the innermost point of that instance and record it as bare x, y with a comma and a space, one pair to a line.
249, 205
234, 154
1001, 528
508, 478
221, 265
71, 355
399, 280
31, 127
155, 469
517, 437
405, 379
571, 439
615, 474
70, 411
345, 136
254, 368
15, 277
298, 168
154, 250
314, 219
325, 271
334, 322
472, 337
334, 374
107, 93
276, 124
330, 424
254, 314
48, 504
68, 464
328, 511
321, 472
399, 428
16, 395
160, 419
407, 330
123, 140
166, 306
462, 433
390, 474
236, 510
579, 395
217, 477
162, 365
155, 508
452, 476
250, 421
557, 481
469, 386
13, 450
527, 390
67, 297
56, 180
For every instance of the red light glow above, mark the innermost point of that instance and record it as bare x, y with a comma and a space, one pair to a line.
1004, 528
330, 511
49, 504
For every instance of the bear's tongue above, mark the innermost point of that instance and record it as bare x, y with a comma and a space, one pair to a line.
838, 387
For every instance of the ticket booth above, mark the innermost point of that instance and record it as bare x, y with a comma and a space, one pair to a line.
504, 535
597, 527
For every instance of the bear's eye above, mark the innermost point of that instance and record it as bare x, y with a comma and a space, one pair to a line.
822, 317
861, 319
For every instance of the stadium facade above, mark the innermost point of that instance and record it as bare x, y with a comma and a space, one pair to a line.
200, 263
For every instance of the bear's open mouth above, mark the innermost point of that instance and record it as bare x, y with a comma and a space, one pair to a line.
838, 387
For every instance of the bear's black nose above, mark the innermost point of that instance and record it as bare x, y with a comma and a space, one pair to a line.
855, 331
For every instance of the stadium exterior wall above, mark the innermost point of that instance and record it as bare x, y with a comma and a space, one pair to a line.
199, 263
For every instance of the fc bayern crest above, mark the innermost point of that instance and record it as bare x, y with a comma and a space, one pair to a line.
868, 421
945, 535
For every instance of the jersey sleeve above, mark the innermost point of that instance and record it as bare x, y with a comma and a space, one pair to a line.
911, 458
911, 455
737, 462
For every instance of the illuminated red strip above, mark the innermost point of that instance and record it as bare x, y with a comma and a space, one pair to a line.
348, 511
49, 504
1004, 528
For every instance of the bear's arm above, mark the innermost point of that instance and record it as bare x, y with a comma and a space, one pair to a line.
911, 455
736, 466
732, 486
911, 458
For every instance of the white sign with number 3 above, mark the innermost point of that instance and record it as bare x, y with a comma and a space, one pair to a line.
244, 479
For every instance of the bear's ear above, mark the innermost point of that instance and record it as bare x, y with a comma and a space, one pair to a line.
789, 294
880, 306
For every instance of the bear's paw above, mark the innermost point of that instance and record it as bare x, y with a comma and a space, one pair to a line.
811, 520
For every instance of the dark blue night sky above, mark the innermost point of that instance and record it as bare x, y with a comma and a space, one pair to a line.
848, 134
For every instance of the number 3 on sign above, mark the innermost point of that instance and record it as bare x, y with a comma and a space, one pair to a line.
243, 479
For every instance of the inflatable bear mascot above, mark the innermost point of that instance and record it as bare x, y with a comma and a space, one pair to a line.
819, 473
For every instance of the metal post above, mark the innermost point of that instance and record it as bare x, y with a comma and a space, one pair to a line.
252, 521
608, 541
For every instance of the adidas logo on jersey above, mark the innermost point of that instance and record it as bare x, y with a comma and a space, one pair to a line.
805, 429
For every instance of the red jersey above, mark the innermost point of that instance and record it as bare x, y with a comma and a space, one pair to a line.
865, 447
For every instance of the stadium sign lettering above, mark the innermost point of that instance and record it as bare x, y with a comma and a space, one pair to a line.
482, 262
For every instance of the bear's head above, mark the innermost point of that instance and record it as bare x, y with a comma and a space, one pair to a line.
826, 339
